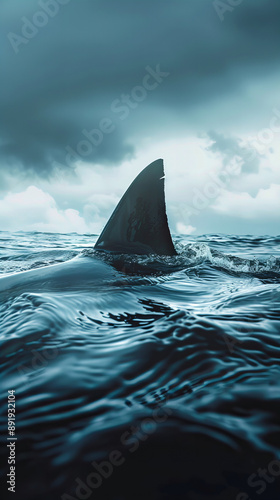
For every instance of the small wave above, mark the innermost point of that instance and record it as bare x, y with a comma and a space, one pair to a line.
202, 252
189, 255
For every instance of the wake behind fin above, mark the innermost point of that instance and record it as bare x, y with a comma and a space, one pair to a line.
139, 223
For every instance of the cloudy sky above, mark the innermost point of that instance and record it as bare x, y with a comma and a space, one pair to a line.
94, 90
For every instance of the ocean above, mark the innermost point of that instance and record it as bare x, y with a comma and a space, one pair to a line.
140, 377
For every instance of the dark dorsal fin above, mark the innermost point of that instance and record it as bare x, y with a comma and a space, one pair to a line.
139, 222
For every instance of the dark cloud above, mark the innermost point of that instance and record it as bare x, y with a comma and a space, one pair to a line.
65, 77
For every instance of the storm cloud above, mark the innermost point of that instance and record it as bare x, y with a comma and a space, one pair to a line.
65, 69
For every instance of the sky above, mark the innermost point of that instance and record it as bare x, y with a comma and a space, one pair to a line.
94, 90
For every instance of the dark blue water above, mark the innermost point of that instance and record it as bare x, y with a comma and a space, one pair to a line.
142, 377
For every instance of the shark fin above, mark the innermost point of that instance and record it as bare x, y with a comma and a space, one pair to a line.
139, 223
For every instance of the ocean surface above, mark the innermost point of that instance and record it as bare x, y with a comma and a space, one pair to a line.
141, 377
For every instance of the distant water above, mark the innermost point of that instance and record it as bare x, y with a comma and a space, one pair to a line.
167, 369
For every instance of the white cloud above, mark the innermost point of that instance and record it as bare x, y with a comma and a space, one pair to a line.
84, 202
266, 204
36, 210
183, 229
